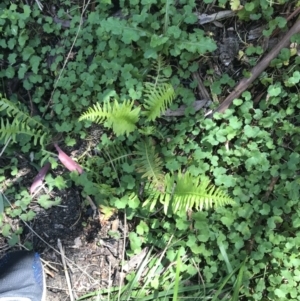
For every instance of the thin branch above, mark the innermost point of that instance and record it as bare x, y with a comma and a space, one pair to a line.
62, 252
85, 6
258, 69
5, 146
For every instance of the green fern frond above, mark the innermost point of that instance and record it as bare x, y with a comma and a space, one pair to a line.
96, 114
121, 117
157, 99
196, 192
22, 123
16, 128
124, 118
185, 192
18, 114
116, 154
149, 164
147, 130
158, 66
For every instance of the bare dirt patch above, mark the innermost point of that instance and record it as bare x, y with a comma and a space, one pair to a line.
92, 257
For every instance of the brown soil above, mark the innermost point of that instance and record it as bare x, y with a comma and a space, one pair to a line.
92, 257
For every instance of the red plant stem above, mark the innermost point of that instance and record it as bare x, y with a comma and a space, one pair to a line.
39, 178
67, 161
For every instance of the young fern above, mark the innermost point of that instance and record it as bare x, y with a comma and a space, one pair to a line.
11, 130
159, 66
149, 164
157, 99
159, 94
121, 117
184, 192
147, 130
13, 111
22, 124
116, 154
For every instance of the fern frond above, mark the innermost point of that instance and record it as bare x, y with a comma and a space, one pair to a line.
13, 111
158, 66
185, 192
96, 113
147, 130
15, 128
149, 164
22, 123
121, 117
116, 154
197, 192
157, 99
124, 118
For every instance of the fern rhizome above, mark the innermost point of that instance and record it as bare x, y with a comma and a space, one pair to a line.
175, 192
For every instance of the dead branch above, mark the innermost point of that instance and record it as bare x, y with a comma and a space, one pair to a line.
258, 69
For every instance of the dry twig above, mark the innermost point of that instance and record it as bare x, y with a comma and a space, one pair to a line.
258, 69
62, 252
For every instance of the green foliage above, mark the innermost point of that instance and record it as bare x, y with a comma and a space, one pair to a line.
46, 202
150, 274
11, 130
162, 72
148, 163
21, 124
1, 204
187, 193
183, 192
172, 165
224, 80
157, 99
121, 117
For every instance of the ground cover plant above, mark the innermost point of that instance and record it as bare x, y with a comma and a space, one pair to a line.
216, 197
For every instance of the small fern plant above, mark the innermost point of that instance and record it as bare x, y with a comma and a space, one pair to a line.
14, 123
158, 93
184, 192
176, 192
149, 164
123, 117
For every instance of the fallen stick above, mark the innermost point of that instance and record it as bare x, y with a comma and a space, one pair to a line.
258, 69
62, 253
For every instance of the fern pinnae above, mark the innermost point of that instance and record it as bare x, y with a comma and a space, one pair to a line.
158, 66
95, 113
157, 99
121, 117
116, 154
16, 128
22, 123
8, 106
18, 114
184, 192
159, 94
148, 163
124, 117
201, 193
